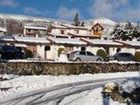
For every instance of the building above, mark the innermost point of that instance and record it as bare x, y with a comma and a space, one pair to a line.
97, 30
68, 31
63, 43
50, 48
34, 31
109, 46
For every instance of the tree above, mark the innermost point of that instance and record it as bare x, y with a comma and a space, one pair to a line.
102, 53
83, 24
76, 20
128, 32
14, 27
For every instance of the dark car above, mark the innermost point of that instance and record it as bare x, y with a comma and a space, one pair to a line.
122, 56
11, 52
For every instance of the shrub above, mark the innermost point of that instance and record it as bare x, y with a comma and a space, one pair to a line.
60, 51
137, 56
101, 53
28, 53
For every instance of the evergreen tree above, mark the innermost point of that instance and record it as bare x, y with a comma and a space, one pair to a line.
128, 32
82, 24
76, 20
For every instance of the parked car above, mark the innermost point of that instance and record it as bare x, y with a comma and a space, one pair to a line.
11, 52
122, 56
83, 56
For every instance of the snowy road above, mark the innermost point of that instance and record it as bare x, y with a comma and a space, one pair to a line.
57, 94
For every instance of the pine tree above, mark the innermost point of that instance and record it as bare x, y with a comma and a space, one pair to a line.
83, 24
76, 20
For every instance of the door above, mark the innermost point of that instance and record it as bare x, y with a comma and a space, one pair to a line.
82, 55
91, 56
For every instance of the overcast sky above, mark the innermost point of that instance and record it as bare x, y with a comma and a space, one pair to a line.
118, 10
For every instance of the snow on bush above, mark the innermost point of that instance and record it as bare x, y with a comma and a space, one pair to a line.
129, 86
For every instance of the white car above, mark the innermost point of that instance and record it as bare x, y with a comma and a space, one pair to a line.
83, 56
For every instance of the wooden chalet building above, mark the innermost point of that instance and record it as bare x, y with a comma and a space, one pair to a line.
97, 30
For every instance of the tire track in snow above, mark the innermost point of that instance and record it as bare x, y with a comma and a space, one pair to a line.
59, 91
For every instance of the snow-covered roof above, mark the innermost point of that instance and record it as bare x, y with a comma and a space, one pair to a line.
67, 41
35, 27
58, 26
20, 45
101, 42
68, 26
75, 27
3, 29
54, 34
31, 39
7, 38
131, 43
81, 35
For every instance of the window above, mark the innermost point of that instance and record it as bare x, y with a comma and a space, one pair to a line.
47, 48
29, 30
62, 31
82, 53
89, 53
77, 31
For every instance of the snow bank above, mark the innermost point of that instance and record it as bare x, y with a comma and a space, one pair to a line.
8, 76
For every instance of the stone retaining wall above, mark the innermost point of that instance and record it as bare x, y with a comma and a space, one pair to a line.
59, 68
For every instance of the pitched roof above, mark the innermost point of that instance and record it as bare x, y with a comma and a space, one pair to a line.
31, 40
99, 42
129, 43
97, 24
61, 35
67, 41
35, 27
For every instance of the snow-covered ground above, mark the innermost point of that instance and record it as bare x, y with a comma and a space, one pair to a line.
24, 84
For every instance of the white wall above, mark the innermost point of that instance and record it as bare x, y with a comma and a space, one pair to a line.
131, 50
66, 31
93, 49
112, 51
55, 31
40, 50
53, 53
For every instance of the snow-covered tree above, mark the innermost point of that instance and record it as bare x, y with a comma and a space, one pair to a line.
128, 32
14, 27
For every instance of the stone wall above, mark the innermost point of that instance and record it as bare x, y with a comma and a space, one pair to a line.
59, 68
